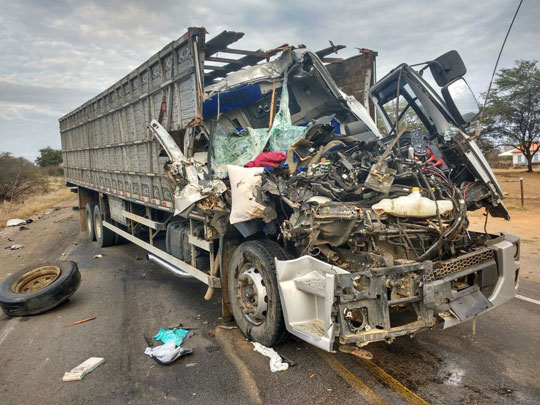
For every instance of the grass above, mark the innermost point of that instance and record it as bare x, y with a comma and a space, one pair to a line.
36, 203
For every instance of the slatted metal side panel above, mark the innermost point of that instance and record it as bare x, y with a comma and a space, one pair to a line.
106, 143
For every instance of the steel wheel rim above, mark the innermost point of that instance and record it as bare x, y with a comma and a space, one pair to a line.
36, 279
252, 294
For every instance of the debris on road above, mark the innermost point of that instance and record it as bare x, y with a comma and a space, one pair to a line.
39, 288
166, 353
81, 321
23, 228
191, 364
78, 373
287, 360
177, 335
15, 222
98, 256
15, 247
275, 359
227, 327
356, 352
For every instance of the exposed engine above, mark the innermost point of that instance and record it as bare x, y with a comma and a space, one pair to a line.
326, 199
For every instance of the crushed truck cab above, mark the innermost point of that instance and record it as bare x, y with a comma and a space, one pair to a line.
323, 203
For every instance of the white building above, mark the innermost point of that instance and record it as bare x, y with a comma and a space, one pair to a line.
519, 159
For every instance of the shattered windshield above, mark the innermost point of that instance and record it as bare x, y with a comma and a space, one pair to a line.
238, 147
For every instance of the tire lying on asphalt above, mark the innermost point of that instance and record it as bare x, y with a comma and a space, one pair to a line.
253, 291
37, 289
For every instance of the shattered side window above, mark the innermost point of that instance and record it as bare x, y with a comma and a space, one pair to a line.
407, 114
409, 111
231, 147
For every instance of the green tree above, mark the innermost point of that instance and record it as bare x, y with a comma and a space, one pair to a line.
512, 115
49, 157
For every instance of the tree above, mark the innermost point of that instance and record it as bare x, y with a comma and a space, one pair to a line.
512, 114
49, 157
18, 176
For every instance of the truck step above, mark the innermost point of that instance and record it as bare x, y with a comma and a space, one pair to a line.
311, 285
313, 328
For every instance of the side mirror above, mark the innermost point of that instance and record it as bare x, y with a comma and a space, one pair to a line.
460, 101
447, 68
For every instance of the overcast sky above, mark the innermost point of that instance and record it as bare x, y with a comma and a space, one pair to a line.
55, 55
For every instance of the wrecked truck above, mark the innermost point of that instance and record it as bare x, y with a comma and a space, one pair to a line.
258, 175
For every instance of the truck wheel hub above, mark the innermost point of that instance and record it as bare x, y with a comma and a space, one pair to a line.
252, 295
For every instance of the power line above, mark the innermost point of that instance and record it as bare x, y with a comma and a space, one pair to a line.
479, 126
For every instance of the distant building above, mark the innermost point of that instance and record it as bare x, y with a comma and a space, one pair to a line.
519, 159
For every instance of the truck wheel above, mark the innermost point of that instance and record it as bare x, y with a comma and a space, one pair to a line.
253, 291
37, 289
104, 236
89, 214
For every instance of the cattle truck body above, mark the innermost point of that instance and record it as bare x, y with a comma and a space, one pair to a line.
310, 250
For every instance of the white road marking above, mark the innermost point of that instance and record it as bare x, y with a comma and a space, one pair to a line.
8, 329
521, 297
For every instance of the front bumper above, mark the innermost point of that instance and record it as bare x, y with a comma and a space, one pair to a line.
322, 302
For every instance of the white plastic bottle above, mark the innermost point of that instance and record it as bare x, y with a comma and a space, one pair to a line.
412, 205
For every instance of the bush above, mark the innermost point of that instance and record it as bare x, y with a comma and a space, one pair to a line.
55, 171
18, 177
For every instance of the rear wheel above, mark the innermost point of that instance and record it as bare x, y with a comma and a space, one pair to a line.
104, 236
89, 214
253, 291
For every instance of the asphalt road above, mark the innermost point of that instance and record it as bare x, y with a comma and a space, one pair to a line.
132, 297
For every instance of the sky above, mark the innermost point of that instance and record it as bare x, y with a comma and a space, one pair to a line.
57, 54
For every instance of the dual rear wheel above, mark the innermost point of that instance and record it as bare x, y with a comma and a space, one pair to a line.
94, 226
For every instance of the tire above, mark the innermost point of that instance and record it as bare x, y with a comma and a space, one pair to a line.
14, 301
89, 214
252, 264
104, 236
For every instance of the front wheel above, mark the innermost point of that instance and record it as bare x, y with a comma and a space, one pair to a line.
253, 291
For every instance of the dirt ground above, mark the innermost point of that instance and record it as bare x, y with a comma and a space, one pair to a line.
524, 222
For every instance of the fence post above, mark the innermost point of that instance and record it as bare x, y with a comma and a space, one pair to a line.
521, 186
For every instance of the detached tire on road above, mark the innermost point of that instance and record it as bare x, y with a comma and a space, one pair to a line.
37, 289
253, 291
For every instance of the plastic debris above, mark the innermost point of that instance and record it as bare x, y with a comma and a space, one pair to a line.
98, 256
15, 247
276, 363
82, 369
177, 335
166, 353
15, 222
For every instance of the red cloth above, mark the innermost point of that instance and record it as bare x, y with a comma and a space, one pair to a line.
267, 159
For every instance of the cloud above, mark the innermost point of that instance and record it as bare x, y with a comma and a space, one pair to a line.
56, 55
